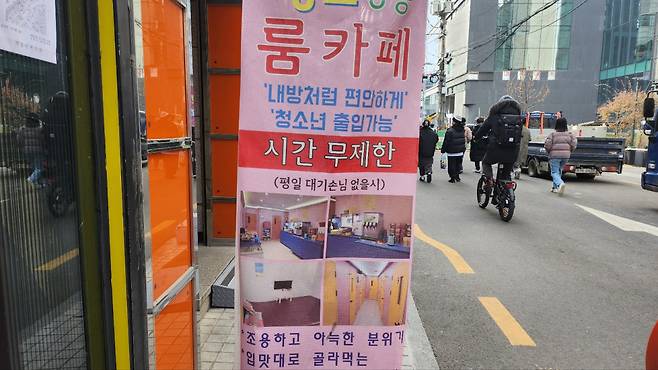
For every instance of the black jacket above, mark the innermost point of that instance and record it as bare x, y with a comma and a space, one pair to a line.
478, 148
496, 153
455, 140
427, 143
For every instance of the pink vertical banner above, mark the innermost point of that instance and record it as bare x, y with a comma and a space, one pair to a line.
328, 148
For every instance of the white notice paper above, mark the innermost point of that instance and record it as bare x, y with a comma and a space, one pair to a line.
29, 27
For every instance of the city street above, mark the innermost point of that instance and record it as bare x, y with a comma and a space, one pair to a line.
561, 286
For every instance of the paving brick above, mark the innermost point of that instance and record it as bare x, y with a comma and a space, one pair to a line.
211, 347
228, 348
209, 356
225, 322
221, 330
213, 314
222, 366
226, 357
216, 338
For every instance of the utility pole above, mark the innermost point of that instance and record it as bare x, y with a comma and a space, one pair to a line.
443, 8
654, 57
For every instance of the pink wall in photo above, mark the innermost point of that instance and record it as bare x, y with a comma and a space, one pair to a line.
314, 214
396, 209
267, 215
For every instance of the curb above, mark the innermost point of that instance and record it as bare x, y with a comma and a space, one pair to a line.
422, 355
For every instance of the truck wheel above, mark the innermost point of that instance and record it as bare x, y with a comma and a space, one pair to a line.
586, 176
533, 170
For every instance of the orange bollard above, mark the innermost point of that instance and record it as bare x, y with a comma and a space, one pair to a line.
652, 350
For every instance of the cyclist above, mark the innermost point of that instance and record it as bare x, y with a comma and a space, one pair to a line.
504, 127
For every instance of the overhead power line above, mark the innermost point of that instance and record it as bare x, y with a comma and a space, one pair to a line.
516, 27
485, 42
561, 18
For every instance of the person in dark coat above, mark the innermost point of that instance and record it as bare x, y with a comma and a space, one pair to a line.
426, 149
506, 156
31, 140
454, 145
58, 130
478, 148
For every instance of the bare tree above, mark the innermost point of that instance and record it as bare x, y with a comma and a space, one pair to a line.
527, 91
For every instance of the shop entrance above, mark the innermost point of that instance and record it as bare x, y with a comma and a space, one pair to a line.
162, 34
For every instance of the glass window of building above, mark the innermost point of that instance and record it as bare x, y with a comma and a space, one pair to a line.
39, 221
533, 34
628, 34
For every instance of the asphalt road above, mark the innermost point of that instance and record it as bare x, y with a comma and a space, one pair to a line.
584, 290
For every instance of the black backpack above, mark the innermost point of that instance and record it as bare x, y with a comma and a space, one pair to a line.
509, 130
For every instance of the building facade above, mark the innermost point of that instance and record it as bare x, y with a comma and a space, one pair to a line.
539, 52
628, 46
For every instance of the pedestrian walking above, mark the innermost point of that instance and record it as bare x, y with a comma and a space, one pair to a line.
454, 145
468, 134
523, 152
479, 147
559, 145
31, 139
426, 149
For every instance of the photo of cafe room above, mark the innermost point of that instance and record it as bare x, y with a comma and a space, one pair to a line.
365, 293
280, 293
282, 226
370, 226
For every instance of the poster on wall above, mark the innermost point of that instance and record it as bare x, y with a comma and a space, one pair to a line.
29, 28
327, 180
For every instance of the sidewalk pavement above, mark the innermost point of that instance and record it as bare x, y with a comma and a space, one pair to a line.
218, 331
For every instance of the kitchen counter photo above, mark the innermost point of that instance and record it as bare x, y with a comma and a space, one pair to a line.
369, 226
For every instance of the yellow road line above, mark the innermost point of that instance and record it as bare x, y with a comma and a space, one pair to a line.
506, 322
56, 262
452, 255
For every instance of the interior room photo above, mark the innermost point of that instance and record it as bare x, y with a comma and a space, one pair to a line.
280, 293
370, 226
365, 293
283, 226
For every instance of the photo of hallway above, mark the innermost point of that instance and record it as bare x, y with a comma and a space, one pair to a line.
282, 226
365, 293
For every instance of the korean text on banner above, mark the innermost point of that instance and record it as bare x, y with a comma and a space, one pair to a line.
326, 181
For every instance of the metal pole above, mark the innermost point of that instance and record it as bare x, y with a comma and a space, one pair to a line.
654, 57
440, 106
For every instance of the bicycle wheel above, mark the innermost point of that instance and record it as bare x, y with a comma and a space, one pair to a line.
482, 193
57, 201
506, 206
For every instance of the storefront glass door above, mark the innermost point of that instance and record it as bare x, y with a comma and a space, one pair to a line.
41, 302
162, 33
